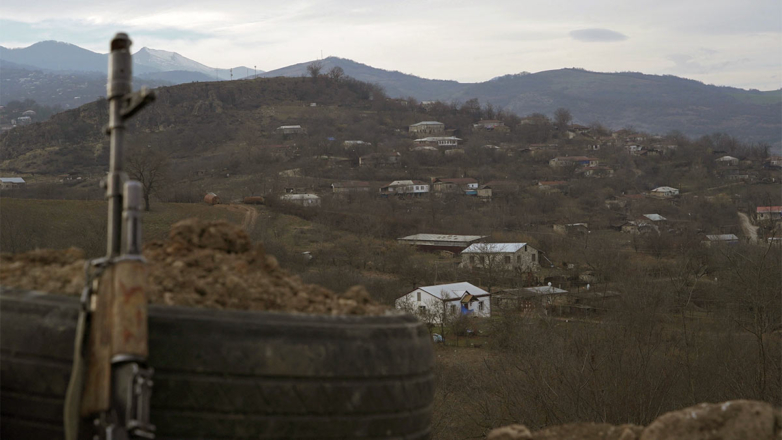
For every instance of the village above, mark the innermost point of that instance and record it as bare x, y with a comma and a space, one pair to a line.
543, 275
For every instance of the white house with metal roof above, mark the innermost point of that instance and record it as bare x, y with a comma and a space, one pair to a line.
11, 182
306, 200
446, 300
440, 141
507, 256
434, 242
665, 192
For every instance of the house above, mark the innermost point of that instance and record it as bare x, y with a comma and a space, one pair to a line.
403, 187
634, 149
596, 172
721, 239
773, 162
380, 159
467, 185
350, 187
654, 217
306, 200
349, 144
509, 256
490, 125
528, 301
212, 199
497, 188
441, 242
446, 301
580, 129
571, 228
664, 192
291, 129
427, 127
729, 161
615, 202
637, 227
24, 120
764, 213
11, 182
438, 141
574, 160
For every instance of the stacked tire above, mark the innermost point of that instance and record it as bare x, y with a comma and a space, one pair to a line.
232, 374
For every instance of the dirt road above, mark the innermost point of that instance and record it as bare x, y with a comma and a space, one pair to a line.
750, 230
250, 215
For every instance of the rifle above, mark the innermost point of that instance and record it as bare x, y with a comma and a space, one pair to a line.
111, 383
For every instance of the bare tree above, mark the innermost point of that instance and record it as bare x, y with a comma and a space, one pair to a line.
562, 118
150, 167
314, 69
336, 73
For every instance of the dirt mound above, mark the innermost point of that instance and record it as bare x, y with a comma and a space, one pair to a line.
204, 264
733, 420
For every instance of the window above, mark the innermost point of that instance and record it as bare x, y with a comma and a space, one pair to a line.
534, 257
483, 260
452, 309
422, 309
507, 259
419, 296
480, 306
472, 259
518, 259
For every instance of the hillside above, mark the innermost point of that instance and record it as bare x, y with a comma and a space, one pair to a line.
163, 65
189, 121
56, 88
395, 84
645, 102
658, 104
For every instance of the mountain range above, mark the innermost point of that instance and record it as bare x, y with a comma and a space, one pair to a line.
654, 103
65, 57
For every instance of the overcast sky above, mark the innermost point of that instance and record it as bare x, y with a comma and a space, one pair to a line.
723, 42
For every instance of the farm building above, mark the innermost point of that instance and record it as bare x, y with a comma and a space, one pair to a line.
11, 182
664, 192
441, 242
507, 256
447, 300
306, 200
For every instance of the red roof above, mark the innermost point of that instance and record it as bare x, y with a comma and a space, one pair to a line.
769, 209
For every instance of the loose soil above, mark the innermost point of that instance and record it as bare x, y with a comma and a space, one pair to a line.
202, 264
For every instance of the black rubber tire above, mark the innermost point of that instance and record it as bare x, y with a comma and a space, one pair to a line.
232, 374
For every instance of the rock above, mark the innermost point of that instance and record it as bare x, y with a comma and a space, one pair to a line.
732, 420
511, 432
589, 431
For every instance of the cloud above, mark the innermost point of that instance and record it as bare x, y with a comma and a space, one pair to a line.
597, 35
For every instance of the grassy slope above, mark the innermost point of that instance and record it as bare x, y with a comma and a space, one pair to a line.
29, 224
